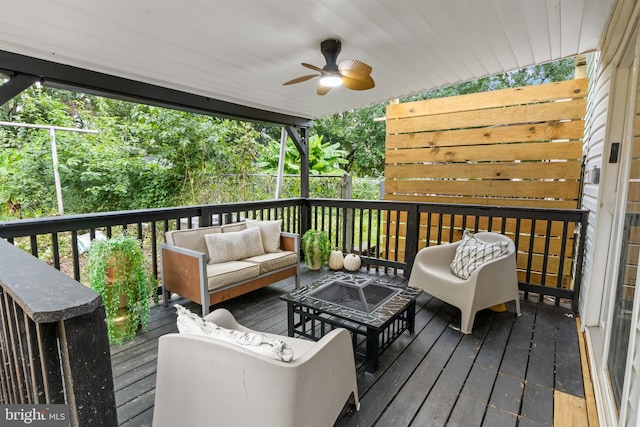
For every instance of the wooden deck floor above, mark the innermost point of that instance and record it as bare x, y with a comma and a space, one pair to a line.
504, 374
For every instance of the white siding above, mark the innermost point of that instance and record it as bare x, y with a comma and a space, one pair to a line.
594, 141
610, 77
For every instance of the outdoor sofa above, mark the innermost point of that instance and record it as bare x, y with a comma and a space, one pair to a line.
209, 265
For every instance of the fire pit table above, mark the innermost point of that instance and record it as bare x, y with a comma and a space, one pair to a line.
375, 311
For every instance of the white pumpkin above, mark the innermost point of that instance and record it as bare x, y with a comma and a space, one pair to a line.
352, 262
336, 260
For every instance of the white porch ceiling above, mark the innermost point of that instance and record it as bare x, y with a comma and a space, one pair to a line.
242, 51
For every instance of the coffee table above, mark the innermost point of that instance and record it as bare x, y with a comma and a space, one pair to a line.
383, 313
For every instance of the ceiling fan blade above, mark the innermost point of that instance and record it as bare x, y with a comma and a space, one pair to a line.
312, 67
323, 90
354, 68
360, 83
300, 79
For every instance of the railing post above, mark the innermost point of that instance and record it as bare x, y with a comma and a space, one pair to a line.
84, 343
577, 281
411, 245
204, 219
347, 194
305, 216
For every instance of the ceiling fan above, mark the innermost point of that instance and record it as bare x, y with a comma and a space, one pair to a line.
351, 73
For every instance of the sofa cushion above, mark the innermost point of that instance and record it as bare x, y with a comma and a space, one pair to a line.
233, 227
192, 238
274, 261
270, 233
234, 246
191, 323
473, 252
229, 273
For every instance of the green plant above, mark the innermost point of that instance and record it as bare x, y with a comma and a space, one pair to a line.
117, 270
316, 246
324, 158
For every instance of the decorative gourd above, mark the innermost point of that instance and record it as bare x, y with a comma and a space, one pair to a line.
336, 259
352, 262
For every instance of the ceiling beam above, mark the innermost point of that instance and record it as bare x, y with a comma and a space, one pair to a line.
15, 85
78, 79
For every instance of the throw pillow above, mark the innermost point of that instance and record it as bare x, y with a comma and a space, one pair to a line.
270, 233
191, 323
233, 246
473, 252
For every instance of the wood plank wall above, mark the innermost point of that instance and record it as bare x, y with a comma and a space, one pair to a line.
512, 147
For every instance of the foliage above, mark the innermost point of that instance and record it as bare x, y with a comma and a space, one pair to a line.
316, 243
26, 173
362, 138
366, 189
143, 157
131, 278
324, 157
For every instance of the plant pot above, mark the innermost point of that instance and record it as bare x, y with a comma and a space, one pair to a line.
123, 322
315, 262
118, 272
316, 248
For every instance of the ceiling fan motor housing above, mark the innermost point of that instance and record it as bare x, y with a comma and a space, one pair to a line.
330, 50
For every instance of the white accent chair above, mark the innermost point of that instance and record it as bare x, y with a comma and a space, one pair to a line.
492, 283
202, 381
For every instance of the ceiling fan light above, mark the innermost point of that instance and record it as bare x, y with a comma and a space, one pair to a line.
331, 80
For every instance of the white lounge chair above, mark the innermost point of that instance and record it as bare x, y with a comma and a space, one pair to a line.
490, 284
203, 381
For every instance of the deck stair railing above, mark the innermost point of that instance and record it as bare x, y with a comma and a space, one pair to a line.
53, 341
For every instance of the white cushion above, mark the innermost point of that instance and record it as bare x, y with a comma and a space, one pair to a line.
234, 246
192, 238
270, 233
191, 323
274, 261
231, 272
473, 252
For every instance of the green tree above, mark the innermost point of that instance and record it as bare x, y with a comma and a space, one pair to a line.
359, 136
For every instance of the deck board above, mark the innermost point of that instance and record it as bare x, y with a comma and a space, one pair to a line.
504, 373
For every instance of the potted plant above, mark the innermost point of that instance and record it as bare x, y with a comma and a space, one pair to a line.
117, 270
316, 247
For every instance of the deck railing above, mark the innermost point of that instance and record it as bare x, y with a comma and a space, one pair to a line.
550, 242
53, 341
386, 234
45, 237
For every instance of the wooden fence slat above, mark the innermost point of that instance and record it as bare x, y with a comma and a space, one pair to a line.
535, 189
510, 226
555, 244
569, 110
530, 132
486, 201
499, 98
487, 153
525, 170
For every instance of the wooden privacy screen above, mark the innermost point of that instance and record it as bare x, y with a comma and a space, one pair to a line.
517, 147
512, 147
